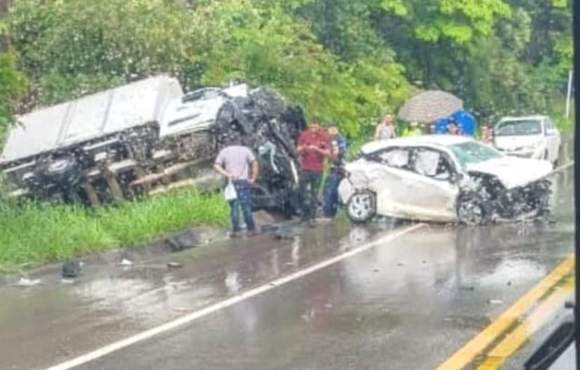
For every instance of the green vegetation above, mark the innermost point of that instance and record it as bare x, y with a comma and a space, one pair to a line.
40, 233
348, 61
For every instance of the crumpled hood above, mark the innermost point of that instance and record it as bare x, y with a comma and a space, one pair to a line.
517, 142
513, 172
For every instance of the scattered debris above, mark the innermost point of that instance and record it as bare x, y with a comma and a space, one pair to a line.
174, 265
269, 228
182, 241
26, 282
495, 301
285, 235
71, 269
126, 262
182, 309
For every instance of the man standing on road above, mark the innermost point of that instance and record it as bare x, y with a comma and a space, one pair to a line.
336, 173
313, 147
239, 165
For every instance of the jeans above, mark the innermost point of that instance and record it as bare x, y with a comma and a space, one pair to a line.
243, 201
309, 185
330, 207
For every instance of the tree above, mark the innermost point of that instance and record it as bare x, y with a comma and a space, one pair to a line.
12, 82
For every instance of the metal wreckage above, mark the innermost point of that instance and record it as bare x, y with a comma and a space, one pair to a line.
148, 137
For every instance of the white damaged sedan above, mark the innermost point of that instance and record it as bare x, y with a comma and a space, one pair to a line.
443, 178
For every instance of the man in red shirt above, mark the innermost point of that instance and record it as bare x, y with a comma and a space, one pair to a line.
313, 147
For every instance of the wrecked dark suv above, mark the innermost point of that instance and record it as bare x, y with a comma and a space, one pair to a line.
149, 137
444, 178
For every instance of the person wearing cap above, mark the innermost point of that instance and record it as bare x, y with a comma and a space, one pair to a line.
386, 129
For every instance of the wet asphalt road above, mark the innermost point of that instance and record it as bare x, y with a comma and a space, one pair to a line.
405, 304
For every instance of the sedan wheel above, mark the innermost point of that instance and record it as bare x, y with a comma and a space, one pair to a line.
471, 210
361, 207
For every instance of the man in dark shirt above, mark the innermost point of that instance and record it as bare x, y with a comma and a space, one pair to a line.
313, 147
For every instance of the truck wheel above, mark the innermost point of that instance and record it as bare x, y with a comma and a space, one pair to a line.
471, 209
361, 207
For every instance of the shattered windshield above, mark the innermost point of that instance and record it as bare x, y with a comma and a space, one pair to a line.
474, 152
515, 128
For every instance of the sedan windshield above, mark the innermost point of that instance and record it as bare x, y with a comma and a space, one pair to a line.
514, 128
474, 152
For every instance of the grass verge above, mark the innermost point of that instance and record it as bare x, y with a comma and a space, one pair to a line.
34, 233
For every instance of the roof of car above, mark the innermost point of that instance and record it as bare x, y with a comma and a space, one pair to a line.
437, 140
522, 118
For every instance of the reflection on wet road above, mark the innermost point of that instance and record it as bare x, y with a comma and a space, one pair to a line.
408, 303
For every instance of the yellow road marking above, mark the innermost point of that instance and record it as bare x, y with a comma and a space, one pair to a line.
506, 320
536, 320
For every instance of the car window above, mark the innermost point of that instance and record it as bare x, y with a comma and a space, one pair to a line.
432, 163
516, 128
397, 158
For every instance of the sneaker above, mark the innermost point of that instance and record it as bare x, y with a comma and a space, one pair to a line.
235, 234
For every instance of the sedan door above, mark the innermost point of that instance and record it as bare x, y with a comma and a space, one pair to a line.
386, 178
431, 191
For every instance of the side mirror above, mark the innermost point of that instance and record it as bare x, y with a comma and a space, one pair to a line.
550, 132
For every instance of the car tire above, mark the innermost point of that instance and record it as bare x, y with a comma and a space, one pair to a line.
471, 210
361, 207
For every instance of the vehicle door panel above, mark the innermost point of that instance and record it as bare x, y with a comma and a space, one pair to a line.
386, 180
433, 194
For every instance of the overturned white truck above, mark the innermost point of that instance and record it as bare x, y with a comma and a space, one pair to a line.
147, 137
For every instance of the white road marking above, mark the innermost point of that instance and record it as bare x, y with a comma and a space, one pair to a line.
148, 334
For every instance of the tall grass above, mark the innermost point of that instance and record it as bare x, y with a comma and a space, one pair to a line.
33, 233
